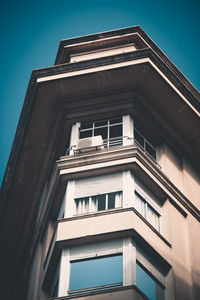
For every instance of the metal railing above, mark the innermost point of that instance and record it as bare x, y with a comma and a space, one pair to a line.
115, 142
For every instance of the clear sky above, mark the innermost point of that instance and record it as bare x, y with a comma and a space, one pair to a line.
31, 31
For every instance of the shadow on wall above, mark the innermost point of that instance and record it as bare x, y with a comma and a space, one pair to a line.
186, 284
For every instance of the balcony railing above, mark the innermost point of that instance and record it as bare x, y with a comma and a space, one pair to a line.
145, 147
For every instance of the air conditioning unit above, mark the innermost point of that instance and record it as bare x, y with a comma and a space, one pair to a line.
89, 144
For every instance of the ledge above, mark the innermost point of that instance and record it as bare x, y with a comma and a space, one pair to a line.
116, 211
124, 292
132, 157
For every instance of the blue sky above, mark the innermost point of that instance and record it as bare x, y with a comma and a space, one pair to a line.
31, 32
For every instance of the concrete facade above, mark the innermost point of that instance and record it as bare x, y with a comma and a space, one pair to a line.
134, 198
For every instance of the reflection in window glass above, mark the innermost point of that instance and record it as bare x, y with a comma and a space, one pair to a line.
145, 283
96, 272
150, 287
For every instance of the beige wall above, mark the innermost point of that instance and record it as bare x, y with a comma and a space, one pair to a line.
180, 173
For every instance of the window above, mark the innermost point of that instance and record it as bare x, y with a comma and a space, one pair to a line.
149, 286
98, 202
107, 265
147, 211
55, 283
114, 132
91, 267
110, 130
96, 273
147, 204
144, 142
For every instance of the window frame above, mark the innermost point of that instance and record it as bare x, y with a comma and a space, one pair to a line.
108, 141
126, 247
145, 261
145, 194
90, 203
127, 132
146, 207
158, 284
98, 287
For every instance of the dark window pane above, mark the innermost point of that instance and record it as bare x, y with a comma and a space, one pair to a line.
117, 120
145, 283
85, 134
101, 202
86, 125
111, 200
102, 131
115, 131
101, 123
90, 273
139, 138
94, 200
150, 150
55, 290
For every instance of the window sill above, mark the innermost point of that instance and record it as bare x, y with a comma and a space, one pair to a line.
126, 292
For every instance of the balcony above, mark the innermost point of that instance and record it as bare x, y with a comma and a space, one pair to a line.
117, 142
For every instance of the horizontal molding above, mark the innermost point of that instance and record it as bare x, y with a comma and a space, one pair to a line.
114, 211
123, 158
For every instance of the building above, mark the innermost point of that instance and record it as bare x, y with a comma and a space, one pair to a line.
100, 199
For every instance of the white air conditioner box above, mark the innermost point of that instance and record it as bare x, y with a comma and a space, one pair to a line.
89, 144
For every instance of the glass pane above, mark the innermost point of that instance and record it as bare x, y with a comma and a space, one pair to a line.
139, 138
94, 201
100, 123
140, 204
96, 272
150, 150
118, 199
86, 125
101, 202
111, 200
82, 205
117, 120
55, 290
85, 134
86, 205
115, 131
145, 283
153, 217
101, 131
